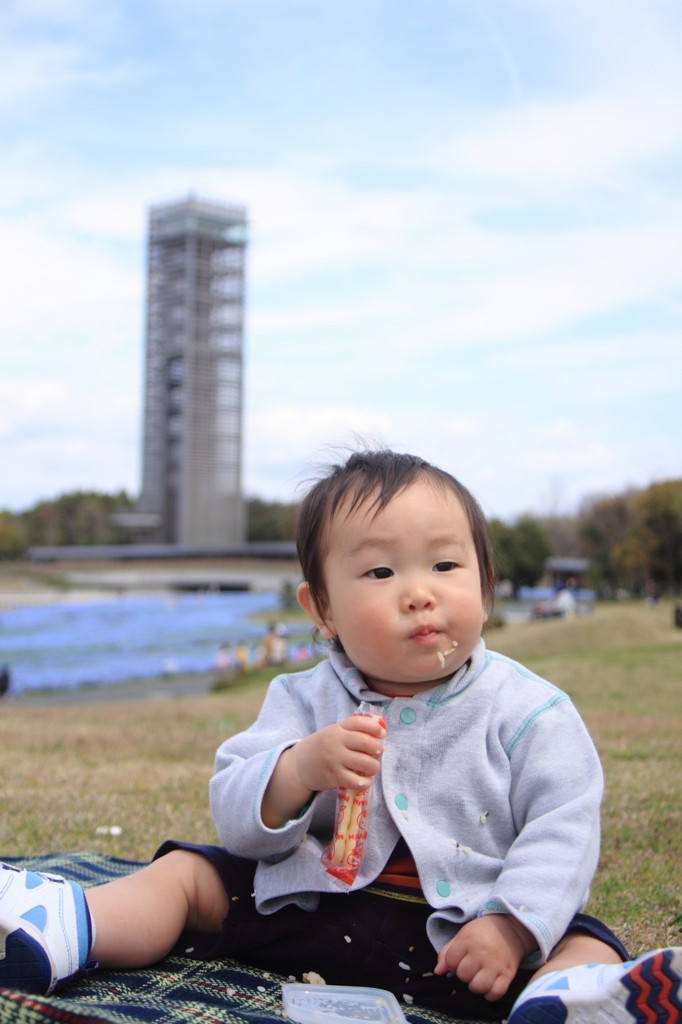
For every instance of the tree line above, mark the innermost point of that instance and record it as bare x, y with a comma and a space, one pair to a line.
633, 539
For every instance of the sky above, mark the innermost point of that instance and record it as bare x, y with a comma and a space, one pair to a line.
465, 234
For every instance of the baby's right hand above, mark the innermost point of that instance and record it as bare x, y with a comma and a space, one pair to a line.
344, 754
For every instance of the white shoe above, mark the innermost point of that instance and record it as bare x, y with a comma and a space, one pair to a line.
45, 930
643, 991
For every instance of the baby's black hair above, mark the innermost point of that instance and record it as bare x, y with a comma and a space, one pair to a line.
379, 475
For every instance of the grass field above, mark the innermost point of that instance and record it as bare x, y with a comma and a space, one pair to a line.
144, 765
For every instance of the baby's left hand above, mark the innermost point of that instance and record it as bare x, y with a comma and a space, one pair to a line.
485, 954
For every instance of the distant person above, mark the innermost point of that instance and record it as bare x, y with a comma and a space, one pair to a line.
226, 661
483, 835
4, 680
566, 603
274, 645
242, 656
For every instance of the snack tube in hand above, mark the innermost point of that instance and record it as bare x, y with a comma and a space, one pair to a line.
343, 855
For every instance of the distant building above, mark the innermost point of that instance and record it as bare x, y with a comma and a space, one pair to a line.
565, 570
192, 448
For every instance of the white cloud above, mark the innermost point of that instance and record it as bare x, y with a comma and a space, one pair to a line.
46, 49
20, 407
112, 214
564, 446
284, 429
59, 287
590, 140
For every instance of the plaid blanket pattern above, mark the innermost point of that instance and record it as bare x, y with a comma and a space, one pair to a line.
175, 991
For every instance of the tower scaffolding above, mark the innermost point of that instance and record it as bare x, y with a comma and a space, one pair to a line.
192, 448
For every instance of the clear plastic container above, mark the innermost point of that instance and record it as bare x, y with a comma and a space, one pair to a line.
340, 1004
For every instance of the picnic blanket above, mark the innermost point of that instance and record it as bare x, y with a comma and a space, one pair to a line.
175, 991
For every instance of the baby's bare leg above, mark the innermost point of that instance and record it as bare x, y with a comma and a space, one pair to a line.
578, 948
139, 918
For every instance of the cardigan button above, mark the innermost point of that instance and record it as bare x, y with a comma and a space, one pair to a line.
401, 802
443, 888
408, 716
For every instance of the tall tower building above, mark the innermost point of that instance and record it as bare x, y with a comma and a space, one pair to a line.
191, 474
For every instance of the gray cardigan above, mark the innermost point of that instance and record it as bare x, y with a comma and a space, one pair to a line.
491, 778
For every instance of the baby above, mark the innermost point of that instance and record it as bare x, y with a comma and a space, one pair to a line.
483, 829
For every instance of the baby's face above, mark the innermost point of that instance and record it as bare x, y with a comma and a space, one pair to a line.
403, 585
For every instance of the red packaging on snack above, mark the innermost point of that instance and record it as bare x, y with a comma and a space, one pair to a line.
343, 856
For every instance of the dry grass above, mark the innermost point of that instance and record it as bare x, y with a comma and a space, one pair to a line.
144, 765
